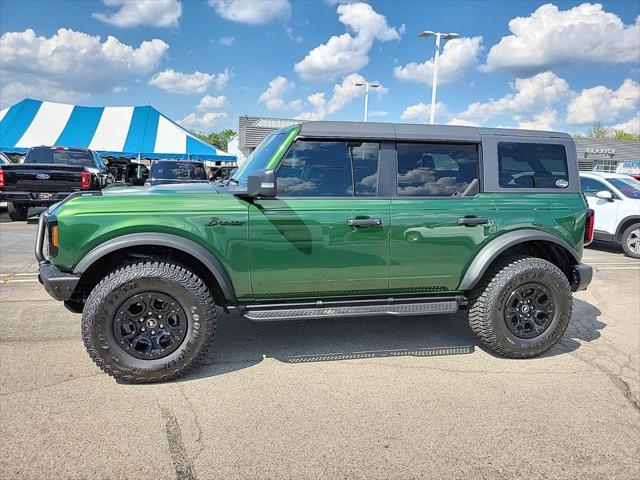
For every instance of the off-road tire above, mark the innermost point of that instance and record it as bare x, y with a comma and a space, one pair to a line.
169, 279
624, 239
17, 213
487, 303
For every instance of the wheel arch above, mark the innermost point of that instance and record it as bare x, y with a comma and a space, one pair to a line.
107, 255
536, 243
626, 223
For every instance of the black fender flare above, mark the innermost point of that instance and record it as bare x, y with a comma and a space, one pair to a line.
490, 252
164, 240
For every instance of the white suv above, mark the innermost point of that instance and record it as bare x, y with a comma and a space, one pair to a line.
615, 198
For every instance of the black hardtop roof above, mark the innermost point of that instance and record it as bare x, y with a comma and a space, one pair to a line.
406, 131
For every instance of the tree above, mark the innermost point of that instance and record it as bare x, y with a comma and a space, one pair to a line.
598, 131
217, 139
601, 132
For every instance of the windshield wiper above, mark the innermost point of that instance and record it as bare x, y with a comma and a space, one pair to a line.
231, 179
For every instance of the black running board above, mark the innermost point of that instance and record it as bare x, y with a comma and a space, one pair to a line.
397, 307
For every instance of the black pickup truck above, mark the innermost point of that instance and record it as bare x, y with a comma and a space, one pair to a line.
48, 175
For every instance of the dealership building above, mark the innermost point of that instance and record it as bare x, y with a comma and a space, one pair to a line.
594, 154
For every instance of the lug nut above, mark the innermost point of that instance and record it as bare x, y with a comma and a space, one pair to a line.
142, 329
153, 332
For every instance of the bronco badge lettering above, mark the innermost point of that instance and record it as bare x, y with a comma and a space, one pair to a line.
213, 221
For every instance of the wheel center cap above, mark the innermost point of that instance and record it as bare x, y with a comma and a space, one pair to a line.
525, 308
151, 323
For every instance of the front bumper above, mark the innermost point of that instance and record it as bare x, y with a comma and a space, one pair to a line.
59, 285
582, 275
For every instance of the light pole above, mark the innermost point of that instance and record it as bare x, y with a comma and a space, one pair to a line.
366, 86
434, 81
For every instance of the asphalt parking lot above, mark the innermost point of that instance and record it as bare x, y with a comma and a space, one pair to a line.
360, 398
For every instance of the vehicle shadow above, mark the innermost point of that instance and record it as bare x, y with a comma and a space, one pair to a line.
242, 344
605, 247
584, 327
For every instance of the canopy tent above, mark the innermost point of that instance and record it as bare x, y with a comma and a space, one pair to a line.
141, 132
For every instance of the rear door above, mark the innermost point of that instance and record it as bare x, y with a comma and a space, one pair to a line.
436, 231
327, 232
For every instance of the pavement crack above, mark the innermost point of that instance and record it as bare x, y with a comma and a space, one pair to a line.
196, 420
181, 463
619, 383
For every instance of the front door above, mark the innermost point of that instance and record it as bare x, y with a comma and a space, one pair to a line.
436, 231
327, 233
606, 211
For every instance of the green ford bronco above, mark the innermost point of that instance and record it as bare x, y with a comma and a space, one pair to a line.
328, 219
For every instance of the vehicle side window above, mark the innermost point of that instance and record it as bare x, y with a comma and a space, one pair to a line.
329, 169
590, 187
532, 165
435, 169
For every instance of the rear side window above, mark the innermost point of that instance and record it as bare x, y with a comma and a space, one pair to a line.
81, 158
164, 170
329, 169
435, 169
532, 165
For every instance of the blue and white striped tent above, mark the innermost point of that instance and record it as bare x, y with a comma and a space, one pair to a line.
112, 131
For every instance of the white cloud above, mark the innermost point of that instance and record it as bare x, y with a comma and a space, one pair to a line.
343, 94
630, 126
458, 56
154, 13
542, 121
347, 53
253, 12
188, 83
209, 102
71, 65
550, 37
278, 88
202, 123
421, 111
532, 95
601, 104
227, 41
318, 102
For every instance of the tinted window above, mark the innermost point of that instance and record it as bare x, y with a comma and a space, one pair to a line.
82, 158
532, 165
329, 168
435, 169
590, 186
629, 187
178, 171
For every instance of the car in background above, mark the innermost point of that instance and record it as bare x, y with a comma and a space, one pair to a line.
4, 160
615, 198
164, 172
48, 175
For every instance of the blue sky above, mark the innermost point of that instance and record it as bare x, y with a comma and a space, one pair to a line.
560, 65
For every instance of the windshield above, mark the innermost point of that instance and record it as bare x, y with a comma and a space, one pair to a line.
82, 158
187, 171
271, 148
629, 187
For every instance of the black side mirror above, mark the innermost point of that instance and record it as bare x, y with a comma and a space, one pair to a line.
262, 184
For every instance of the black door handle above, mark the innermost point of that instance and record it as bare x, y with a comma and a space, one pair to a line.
364, 222
471, 220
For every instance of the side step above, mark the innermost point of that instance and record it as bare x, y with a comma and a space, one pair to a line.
265, 313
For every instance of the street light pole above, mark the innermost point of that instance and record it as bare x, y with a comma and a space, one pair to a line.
366, 86
434, 79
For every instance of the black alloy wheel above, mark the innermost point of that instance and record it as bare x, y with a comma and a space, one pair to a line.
150, 325
529, 310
